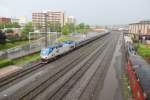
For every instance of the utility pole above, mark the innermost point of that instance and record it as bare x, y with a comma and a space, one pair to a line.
46, 44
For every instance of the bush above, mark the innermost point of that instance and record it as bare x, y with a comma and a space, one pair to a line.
9, 31
4, 63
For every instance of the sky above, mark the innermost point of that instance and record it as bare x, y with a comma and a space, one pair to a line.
94, 12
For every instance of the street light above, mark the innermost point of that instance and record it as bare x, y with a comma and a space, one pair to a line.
46, 15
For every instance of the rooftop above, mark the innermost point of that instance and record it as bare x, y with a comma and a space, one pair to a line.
141, 22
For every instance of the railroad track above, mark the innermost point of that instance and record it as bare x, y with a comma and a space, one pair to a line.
56, 77
92, 90
14, 77
60, 91
74, 88
66, 88
27, 72
87, 46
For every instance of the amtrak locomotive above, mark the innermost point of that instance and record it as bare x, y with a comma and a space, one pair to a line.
56, 50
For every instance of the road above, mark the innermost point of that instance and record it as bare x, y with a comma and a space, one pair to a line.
83, 74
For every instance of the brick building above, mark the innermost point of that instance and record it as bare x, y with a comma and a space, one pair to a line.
4, 20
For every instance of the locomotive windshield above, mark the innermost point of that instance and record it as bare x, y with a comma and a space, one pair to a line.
45, 52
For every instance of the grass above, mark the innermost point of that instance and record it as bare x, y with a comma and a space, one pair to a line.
27, 59
63, 39
20, 61
127, 93
5, 62
9, 45
143, 50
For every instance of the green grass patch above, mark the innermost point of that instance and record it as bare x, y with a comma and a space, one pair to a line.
143, 51
9, 45
5, 62
64, 38
20, 61
127, 93
27, 59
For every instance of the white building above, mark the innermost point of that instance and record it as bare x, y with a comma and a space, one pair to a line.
14, 20
22, 21
70, 19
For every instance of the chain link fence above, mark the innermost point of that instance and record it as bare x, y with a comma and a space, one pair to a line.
32, 47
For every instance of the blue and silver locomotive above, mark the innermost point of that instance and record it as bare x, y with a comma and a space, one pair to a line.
56, 50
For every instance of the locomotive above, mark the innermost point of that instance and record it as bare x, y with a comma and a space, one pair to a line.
56, 50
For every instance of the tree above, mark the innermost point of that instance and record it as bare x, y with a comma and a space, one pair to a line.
28, 28
81, 25
82, 28
87, 28
68, 28
1, 26
54, 27
15, 25
71, 27
9, 31
2, 37
9, 25
65, 30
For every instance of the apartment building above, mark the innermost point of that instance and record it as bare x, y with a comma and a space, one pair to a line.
50, 16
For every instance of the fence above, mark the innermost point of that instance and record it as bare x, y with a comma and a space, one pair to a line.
31, 47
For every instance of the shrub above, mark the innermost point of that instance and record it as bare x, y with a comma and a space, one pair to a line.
9, 31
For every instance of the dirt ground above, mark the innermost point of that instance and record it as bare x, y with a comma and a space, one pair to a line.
147, 59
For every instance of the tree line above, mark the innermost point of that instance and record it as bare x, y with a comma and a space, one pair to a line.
53, 27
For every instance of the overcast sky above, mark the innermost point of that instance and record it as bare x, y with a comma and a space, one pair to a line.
96, 12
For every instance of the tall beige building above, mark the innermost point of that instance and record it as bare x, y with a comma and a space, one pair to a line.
53, 17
